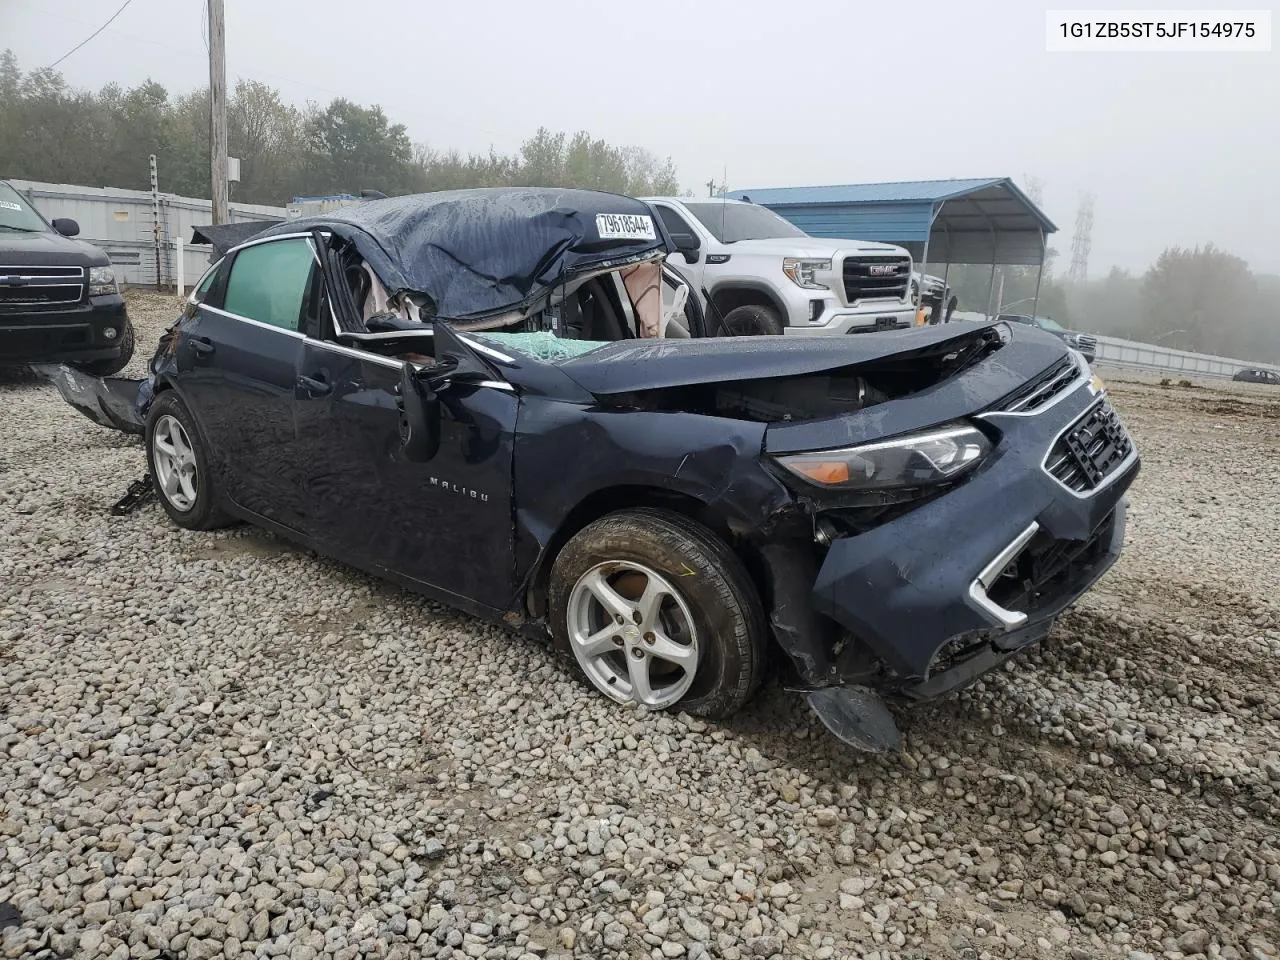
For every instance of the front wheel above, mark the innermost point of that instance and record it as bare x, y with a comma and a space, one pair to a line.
656, 610
751, 320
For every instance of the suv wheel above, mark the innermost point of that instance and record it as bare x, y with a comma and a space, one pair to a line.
657, 610
751, 321
179, 466
106, 368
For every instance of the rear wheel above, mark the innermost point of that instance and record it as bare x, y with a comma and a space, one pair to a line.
656, 610
106, 368
751, 320
179, 466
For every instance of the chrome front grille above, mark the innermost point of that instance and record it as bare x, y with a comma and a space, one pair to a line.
26, 287
876, 277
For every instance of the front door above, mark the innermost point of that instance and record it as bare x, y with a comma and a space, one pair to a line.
445, 523
240, 357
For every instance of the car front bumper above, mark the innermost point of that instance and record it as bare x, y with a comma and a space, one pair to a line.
955, 587
73, 333
841, 320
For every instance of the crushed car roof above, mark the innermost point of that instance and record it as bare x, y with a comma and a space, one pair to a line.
484, 251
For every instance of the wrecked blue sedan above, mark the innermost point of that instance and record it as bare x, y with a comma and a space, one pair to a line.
505, 400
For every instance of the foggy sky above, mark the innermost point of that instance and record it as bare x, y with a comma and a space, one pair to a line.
1177, 148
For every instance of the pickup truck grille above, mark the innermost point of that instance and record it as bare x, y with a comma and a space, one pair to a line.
26, 288
1091, 450
876, 277
1086, 342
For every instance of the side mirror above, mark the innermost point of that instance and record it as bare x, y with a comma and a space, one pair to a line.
687, 244
419, 417
66, 226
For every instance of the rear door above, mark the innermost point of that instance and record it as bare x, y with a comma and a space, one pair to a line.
239, 360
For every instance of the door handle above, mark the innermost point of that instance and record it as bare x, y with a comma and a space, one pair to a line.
201, 346
315, 387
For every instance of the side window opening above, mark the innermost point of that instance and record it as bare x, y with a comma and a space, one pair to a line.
673, 221
269, 282
201, 292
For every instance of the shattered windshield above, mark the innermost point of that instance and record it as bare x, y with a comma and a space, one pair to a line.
731, 222
542, 344
16, 213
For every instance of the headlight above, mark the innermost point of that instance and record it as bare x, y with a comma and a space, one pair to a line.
102, 280
918, 460
801, 272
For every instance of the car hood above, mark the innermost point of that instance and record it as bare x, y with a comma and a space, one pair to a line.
47, 249
629, 366
816, 247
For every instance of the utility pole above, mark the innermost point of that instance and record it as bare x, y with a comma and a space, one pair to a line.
218, 111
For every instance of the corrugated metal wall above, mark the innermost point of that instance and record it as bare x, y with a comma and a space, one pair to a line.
122, 223
886, 222
907, 224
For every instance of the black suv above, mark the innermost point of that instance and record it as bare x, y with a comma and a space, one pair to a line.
59, 299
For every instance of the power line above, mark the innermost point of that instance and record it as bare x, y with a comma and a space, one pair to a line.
90, 36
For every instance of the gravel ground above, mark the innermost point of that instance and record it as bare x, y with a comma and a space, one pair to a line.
217, 745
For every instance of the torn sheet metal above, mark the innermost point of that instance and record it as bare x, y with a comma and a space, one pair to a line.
110, 401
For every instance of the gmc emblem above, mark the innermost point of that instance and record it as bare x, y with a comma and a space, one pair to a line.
882, 269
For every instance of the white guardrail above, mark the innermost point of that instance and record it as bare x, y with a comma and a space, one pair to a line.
1145, 356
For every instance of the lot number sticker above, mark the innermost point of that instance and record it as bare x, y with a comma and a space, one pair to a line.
624, 226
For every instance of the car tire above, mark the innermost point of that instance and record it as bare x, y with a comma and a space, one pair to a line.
751, 320
702, 585
179, 470
107, 368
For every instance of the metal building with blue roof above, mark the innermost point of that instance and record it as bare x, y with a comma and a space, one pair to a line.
981, 221
987, 220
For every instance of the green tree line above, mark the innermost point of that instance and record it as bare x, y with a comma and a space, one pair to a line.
52, 132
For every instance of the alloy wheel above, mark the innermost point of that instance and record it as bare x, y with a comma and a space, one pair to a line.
633, 634
175, 463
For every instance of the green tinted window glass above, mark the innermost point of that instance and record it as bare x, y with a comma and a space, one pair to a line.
202, 291
269, 281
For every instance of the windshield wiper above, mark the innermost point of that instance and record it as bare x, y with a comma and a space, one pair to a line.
9, 226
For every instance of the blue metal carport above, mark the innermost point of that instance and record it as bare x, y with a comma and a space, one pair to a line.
984, 221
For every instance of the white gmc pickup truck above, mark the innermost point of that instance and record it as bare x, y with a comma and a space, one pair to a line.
765, 275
